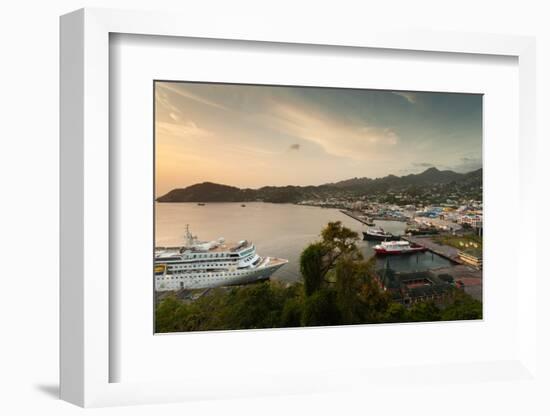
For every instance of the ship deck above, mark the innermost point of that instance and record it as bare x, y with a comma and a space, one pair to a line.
220, 248
273, 261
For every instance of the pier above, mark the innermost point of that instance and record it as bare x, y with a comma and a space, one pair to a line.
355, 217
468, 276
450, 253
384, 218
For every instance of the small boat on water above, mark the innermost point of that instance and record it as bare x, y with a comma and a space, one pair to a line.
243, 205
377, 234
201, 204
398, 247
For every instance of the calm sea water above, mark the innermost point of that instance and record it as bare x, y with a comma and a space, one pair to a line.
278, 230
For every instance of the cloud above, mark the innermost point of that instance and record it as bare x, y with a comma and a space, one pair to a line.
336, 136
188, 137
182, 92
416, 167
174, 116
409, 96
468, 164
423, 165
253, 151
294, 146
181, 130
380, 135
163, 103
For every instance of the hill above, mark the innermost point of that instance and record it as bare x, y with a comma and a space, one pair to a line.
212, 192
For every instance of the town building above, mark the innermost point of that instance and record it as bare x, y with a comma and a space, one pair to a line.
410, 288
472, 257
473, 220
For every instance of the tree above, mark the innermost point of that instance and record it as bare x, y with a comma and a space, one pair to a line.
292, 313
463, 307
311, 267
349, 276
424, 312
339, 238
374, 302
254, 306
321, 309
395, 312
319, 258
168, 314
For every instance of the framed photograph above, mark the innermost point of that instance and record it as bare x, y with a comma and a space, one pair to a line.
234, 207
311, 241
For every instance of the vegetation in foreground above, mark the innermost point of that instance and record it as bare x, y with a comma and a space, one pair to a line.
337, 289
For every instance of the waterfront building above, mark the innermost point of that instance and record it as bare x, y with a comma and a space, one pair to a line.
472, 257
409, 288
473, 220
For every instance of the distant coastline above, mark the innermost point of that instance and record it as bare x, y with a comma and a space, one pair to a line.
352, 188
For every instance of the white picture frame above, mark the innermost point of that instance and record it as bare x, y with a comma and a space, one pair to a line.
85, 211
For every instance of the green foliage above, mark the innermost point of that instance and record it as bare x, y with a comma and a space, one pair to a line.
337, 237
259, 305
396, 312
318, 259
170, 313
311, 267
321, 309
255, 306
292, 313
462, 307
348, 276
374, 302
424, 312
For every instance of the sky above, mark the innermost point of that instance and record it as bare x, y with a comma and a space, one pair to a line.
251, 136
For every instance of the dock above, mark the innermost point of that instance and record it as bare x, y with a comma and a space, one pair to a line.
469, 276
384, 218
450, 253
355, 217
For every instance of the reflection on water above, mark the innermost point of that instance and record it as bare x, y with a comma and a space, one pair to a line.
278, 230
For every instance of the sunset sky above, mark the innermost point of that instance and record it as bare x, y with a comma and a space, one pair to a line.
253, 136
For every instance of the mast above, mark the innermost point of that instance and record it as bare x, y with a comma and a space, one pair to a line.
189, 238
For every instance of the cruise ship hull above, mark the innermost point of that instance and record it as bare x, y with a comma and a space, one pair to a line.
188, 281
256, 276
210, 264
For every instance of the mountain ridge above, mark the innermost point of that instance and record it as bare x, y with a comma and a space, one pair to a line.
214, 192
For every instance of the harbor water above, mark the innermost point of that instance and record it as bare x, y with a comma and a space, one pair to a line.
277, 230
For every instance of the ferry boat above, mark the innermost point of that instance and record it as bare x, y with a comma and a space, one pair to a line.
398, 247
201, 265
377, 234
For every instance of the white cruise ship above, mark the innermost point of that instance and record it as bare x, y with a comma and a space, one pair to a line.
200, 265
